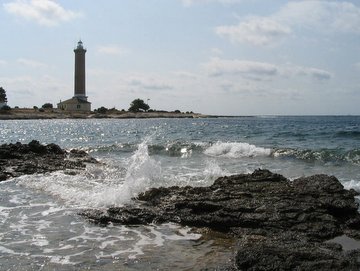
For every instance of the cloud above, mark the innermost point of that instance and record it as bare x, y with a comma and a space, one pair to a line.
188, 3
319, 74
43, 12
149, 83
2, 62
218, 67
31, 63
260, 71
338, 16
185, 75
35, 90
256, 31
112, 50
320, 16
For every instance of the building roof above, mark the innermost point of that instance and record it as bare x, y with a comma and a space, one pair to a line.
75, 100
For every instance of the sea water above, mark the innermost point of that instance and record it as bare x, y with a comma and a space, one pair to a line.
40, 228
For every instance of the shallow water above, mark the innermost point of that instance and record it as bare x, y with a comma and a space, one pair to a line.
39, 225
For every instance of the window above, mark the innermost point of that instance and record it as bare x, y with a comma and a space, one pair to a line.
78, 106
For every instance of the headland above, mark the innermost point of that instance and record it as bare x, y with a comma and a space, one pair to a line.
27, 113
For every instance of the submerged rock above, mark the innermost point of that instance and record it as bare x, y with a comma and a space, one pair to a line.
20, 159
280, 225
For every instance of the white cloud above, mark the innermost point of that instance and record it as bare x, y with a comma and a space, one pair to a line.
319, 16
2, 62
185, 75
112, 50
148, 83
260, 71
218, 67
256, 31
336, 16
31, 63
28, 91
316, 73
188, 3
44, 12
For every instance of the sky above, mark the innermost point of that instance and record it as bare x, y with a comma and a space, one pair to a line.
221, 57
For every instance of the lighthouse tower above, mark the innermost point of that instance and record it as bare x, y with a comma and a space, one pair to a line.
79, 101
79, 82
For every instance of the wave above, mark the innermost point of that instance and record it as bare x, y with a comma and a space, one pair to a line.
323, 155
176, 148
100, 185
104, 185
236, 150
125, 147
349, 134
233, 150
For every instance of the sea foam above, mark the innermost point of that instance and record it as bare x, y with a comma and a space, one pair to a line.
236, 150
98, 186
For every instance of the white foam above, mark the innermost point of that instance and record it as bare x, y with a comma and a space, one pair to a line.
352, 184
236, 150
142, 173
99, 185
10, 251
212, 172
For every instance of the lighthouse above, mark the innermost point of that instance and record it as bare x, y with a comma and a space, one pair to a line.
79, 78
79, 101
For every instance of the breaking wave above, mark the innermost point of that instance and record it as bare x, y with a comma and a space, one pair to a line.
100, 185
236, 150
323, 155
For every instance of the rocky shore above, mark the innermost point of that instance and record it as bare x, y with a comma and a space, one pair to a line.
26, 114
311, 223
20, 159
279, 224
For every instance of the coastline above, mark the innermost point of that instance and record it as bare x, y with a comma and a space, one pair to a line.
310, 223
32, 114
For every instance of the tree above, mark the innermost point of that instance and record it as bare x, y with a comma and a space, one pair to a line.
3, 98
47, 105
102, 110
5, 108
138, 105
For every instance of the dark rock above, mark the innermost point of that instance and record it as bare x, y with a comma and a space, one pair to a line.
280, 225
36, 147
259, 253
80, 155
19, 159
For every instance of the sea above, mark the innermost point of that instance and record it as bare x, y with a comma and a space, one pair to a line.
40, 225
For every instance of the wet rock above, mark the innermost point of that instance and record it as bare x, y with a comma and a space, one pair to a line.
291, 253
280, 225
20, 159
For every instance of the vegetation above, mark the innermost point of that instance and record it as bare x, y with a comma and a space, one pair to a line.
3, 98
138, 105
5, 108
47, 106
101, 110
